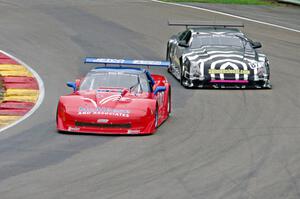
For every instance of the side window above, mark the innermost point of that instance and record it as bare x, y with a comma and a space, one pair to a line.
144, 83
187, 37
182, 35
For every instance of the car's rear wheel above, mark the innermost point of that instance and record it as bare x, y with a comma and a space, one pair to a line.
169, 68
181, 76
169, 102
156, 117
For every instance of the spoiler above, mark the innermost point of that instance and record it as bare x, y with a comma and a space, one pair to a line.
125, 62
188, 23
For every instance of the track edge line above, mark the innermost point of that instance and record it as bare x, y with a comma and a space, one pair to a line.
229, 15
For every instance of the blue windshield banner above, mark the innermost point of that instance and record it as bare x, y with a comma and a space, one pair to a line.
120, 62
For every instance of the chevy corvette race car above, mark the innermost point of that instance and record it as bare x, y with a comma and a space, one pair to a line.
216, 55
116, 99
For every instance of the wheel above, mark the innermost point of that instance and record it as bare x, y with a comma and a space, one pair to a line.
156, 117
57, 115
168, 53
169, 68
58, 131
183, 80
181, 76
169, 59
169, 102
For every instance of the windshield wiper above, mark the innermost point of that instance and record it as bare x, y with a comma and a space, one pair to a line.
136, 85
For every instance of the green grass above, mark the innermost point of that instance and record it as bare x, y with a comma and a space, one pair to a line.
249, 2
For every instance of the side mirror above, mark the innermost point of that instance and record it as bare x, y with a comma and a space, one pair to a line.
159, 89
77, 82
256, 44
183, 44
72, 85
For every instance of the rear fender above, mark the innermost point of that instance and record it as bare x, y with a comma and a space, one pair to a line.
159, 80
167, 97
163, 104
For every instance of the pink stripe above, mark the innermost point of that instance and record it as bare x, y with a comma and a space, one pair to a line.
19, 82
12, 79
230, 81
7, 61
32, 86
16, 105
3, 56
14, 112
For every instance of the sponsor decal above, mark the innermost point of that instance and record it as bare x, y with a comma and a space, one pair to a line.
102, 121
103, 111
73, 128
97, 60
126, 61
143, 62
130, 131
228, 71
110, 98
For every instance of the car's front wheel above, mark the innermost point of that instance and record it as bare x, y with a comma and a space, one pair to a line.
183, 80
170, 60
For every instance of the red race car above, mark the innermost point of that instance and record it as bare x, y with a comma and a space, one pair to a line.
116, 99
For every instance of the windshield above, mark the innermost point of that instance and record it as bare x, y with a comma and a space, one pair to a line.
133, 82
216, 40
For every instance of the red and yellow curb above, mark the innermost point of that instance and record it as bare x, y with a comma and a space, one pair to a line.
19, 90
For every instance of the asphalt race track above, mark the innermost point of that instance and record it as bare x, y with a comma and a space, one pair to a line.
218, 144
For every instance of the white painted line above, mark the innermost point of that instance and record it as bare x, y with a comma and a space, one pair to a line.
41, 92
229, 15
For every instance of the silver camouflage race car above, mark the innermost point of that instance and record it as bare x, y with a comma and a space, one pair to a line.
216, 55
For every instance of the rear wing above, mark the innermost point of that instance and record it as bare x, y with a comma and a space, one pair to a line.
125, 62
188, 23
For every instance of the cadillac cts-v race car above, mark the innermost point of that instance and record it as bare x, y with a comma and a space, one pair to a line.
116, 99
216, 55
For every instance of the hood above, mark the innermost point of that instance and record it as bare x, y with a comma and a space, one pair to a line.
111, 98
108, 103
223, 62
221, 52
105, 97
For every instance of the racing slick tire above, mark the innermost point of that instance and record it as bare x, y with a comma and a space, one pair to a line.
156, 117
183, 80
169, 108
58, 131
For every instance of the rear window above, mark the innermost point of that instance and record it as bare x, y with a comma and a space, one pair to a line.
216, 40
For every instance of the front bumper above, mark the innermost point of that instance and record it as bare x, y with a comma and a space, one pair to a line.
207, 82
144, 125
